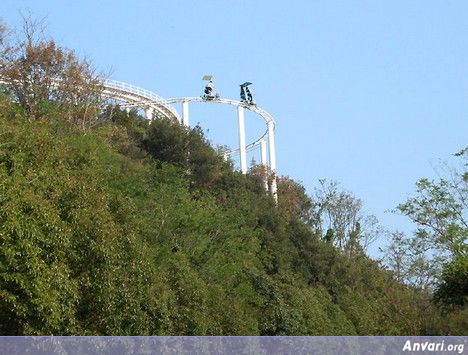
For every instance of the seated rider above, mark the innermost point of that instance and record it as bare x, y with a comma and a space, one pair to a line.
242, 93
249, 95
209, 88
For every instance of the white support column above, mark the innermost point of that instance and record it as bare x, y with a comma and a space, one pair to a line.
149, 113
272, 151
185, 114
242, 149
127, 109
263, 153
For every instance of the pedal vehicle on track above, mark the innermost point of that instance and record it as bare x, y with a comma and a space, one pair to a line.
246, 94
209, 89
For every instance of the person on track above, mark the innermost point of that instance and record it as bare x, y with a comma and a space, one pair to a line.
209, 88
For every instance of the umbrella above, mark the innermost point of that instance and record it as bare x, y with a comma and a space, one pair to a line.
247, 83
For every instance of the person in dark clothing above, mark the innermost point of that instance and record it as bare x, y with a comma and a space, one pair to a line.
209, 88
246, 94
242, 93
249, 95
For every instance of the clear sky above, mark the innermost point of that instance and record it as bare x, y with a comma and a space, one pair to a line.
369, 93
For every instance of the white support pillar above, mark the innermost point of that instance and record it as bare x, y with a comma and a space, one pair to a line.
185, 114
263, 153
272, 151
149, 113
242, 149
127, 109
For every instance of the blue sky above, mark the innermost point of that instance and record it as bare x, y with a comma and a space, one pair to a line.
369, 93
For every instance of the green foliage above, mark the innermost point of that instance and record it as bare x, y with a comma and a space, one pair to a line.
142, 229
435, 257
439, 210
452, 292
170, 142
44, 77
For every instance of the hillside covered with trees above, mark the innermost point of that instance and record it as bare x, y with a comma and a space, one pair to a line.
114, 225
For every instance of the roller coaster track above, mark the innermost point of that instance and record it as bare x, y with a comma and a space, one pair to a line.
254, 108
132, 95
265, 115
136, 96
156, 106
139, 97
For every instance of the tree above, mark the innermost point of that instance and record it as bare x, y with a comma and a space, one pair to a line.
171, 142
440, 211
410, 262
437, 252
293, 200
341, 214
452, 291
41, 75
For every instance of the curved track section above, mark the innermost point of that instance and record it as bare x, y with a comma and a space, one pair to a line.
135, 96
265, 115
267, 139
254, 108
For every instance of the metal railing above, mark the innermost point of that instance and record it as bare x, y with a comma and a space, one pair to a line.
139, 96
118, 85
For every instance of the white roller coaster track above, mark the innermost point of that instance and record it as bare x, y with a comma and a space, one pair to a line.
267, 139
139, 97
155, 105
265, 115
136, 96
